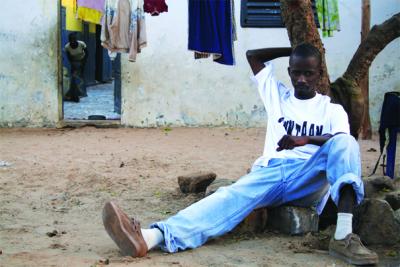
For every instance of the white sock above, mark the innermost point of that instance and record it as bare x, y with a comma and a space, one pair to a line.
153, 237
344, 225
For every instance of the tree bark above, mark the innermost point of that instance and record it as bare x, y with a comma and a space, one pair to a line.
346, 89
299, 21
377, 39
366, 131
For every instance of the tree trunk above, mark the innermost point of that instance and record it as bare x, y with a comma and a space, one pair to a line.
346, 89
378, 37
299, 21
366, 131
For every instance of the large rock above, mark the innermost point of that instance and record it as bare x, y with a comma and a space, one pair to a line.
196, 182
393, 199
255, 222
293, 220
374, 221
217, 184
397, 215
376, 184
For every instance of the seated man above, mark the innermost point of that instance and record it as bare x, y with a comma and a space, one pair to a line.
308, 156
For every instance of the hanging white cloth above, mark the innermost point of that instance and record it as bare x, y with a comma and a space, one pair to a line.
123, 27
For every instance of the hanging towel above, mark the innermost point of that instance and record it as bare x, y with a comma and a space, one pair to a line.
328, 16
123, 27
90, 10
69, 3
93, 4
89, 15
155, 7
212, 29
71, 22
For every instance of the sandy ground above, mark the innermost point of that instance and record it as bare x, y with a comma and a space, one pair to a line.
60, 179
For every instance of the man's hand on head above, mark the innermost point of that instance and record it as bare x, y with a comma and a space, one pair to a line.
258, 57
290, 142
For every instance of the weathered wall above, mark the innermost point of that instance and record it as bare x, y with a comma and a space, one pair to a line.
385, 69
167, 86
28, 63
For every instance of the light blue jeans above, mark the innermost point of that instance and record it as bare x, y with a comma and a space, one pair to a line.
284, 181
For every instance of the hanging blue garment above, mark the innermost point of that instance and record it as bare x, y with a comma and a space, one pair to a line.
212, 30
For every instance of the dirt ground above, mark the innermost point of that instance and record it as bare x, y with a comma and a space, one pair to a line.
59, 179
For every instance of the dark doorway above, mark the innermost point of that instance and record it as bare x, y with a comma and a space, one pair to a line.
100, 92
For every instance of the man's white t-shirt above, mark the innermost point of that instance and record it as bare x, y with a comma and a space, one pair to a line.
289, 115
77, 53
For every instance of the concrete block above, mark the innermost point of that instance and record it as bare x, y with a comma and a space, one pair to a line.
293, 220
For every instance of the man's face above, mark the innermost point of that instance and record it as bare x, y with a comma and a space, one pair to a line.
304, 73
73, 42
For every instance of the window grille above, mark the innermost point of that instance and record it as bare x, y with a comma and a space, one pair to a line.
265, 14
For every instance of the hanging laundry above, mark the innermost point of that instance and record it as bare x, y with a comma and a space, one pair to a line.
71, 22
69, 3
93, 4
212, 29
155, 7
92, 28
123, 27
328, 16
90, 10
89, 15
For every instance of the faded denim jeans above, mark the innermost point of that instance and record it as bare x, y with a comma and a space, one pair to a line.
284, 181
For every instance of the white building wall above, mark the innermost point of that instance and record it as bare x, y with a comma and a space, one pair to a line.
166, 86
385, 69
28, 63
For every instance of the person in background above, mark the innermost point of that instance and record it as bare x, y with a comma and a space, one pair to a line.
77, 54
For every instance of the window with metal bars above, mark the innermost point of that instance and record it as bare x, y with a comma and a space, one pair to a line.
265, 14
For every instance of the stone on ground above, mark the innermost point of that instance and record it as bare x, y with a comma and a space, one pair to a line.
397, 216
196, 182
375, 184
393, 199
375, 222
255, 222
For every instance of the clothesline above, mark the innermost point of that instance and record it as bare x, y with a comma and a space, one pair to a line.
123, 27
212, 27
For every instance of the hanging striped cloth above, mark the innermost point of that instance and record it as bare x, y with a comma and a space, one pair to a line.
328, 16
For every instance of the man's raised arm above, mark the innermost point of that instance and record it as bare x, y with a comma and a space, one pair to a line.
257, 57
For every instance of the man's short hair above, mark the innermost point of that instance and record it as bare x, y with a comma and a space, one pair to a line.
72, 35
305, 50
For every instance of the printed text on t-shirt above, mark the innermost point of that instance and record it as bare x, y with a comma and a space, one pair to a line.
309, 129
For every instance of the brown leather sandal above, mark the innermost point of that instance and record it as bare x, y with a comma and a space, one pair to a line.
125, 231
